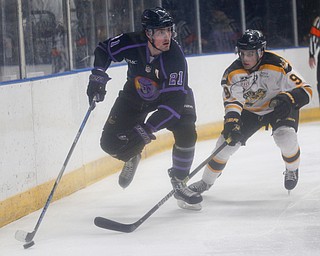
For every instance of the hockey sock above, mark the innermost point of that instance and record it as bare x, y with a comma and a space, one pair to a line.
182, 159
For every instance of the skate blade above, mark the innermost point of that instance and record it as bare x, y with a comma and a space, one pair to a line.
186, 206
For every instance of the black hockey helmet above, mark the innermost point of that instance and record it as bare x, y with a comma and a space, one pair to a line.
251, 40
156, 17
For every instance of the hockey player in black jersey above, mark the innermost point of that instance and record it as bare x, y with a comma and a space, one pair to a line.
260, 89
157, 83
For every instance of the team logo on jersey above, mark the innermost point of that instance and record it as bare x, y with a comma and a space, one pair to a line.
146, 88
245, 82
252, 97
252, 93
248, 81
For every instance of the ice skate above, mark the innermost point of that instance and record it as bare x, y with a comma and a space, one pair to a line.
290, 179
186, 198
128, 171
199, 186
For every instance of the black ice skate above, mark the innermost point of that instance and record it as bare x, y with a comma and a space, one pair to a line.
199, 186
128, 171
186, 198
290, 179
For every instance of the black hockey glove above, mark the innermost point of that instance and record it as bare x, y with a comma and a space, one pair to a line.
232, 128
137, 138
97, 85
282, 104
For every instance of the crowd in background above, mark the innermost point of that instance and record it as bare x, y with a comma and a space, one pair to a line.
48, 37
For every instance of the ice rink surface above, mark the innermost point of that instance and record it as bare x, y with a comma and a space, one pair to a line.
247, 212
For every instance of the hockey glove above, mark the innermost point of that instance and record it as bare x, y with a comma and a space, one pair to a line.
97, 85
137, 138
232, 128
282, 105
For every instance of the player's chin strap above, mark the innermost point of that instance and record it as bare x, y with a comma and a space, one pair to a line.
151, 40
260, 53
253, 68
153, 45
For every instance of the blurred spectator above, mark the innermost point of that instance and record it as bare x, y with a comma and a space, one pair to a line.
58, 51
186, 37
82, 32
46, 36
223, 32
8, 49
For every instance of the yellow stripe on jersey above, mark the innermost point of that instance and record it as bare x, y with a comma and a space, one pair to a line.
272, 67
290, 96
308, 89
257, 109
235, 72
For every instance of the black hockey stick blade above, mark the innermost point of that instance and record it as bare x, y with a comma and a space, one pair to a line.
113, 225
28, 245
128, 228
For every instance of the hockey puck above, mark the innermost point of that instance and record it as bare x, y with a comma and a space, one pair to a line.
28, 245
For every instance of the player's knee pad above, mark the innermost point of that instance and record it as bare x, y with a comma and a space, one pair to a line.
286, 139
116, 145
108, 143
111, 143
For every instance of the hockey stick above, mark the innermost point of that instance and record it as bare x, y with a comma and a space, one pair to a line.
128, 228
27, 237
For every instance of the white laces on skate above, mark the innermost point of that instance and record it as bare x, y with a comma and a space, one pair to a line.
187, 192
200, 186
290, 175
290, 179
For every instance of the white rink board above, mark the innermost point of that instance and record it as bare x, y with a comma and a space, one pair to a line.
40, 118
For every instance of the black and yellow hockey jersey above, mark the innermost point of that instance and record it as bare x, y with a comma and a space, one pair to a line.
253, 91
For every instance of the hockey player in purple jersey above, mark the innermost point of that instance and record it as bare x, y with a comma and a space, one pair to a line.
260, 89
157, 84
